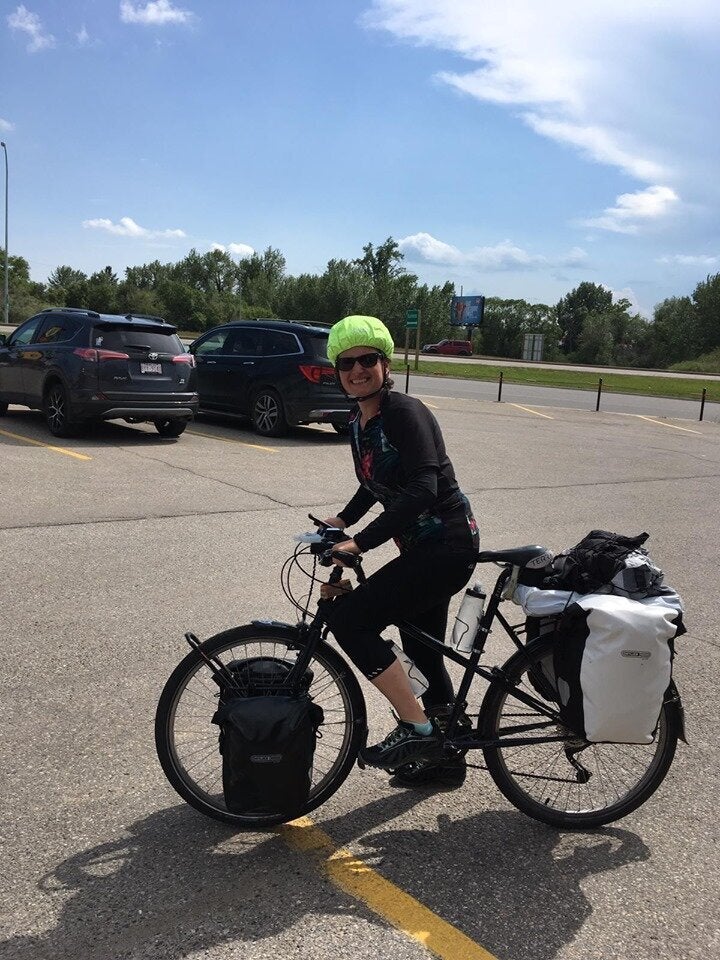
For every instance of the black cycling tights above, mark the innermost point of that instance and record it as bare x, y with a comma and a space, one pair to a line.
416, 586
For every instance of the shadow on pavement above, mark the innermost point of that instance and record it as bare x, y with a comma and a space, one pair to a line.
177, 884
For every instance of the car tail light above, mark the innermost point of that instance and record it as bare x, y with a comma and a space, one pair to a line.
316, 373
184, 358
89, 353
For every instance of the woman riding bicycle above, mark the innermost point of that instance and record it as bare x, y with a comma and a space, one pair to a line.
401, 463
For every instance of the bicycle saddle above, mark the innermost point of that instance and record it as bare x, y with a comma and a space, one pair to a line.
517, 556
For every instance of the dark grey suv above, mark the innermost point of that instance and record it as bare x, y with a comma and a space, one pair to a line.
275, 372
78, 366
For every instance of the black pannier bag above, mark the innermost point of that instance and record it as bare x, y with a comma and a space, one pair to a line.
267, 745
267, 737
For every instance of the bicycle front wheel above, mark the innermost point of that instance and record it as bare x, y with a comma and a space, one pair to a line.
567, 783
187, 741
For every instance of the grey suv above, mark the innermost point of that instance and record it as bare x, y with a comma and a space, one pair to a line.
78, 366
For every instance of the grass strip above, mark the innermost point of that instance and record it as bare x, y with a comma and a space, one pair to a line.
679, 388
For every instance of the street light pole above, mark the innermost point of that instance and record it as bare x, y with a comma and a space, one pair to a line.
6, 298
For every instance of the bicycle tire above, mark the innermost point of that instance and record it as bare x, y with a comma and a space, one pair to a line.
184, 732
548, 788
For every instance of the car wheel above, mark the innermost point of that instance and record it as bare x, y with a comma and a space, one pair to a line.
170, 428
268, 416
465, 353
57, 410
342, 429
3, 408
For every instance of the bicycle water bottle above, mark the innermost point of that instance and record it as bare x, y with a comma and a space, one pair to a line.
468, 618
418, 681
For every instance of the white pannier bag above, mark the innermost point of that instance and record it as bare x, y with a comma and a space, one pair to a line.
612, 660
626, 667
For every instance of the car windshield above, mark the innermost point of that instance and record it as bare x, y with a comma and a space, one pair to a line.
136, 338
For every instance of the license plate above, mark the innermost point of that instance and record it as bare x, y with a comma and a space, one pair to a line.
150, 368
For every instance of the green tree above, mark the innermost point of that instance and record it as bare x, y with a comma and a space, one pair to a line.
507, 321
383, 263
706, 301
25, 295
574, 308
672, 332
102, 294
595, 341
68, 287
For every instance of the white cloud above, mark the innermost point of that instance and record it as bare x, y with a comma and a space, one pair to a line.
238, 249
596, 144
691, 260
6, 126
503, 256
82, 36
632, 210
624, 84
156, 13
126, 227
24, 20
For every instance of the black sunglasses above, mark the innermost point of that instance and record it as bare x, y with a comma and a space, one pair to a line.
365, 360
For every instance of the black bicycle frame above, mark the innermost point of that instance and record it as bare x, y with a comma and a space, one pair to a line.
317, 629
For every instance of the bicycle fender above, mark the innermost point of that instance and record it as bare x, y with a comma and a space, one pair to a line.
673, 697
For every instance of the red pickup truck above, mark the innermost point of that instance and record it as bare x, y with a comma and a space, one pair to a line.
451, 348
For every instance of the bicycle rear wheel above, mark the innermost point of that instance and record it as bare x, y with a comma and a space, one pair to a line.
540, 779
187, 741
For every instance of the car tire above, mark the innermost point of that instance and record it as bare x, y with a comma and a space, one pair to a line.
170, 428
342, 429
3, 408
465, 353
268, 415
56, 408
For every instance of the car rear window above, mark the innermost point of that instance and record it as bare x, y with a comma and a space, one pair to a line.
129, 339
317, 344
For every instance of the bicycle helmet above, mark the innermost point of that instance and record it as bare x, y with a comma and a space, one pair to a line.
359, 331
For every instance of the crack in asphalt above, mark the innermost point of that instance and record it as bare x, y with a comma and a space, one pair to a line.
589, 483
202, 476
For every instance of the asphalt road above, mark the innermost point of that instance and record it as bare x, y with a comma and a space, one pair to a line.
110, 558
585, 400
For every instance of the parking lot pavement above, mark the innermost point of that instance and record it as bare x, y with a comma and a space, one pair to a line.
108, 560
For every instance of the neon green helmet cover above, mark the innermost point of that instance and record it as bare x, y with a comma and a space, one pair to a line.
359, 332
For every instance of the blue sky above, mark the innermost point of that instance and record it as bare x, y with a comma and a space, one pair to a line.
514, 147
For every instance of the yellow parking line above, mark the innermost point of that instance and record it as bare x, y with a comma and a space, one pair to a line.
48, 446
432, 406
661, 423
529, 410
243, 443
384, 898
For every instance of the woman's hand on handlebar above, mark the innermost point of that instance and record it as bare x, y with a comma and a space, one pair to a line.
347, 546
335, 522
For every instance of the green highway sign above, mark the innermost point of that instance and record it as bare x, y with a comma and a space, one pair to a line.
411, 319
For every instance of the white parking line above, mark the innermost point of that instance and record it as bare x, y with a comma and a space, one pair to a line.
661, 423
243, 443
529, 410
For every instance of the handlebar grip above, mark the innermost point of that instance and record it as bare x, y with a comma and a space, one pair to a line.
349, 559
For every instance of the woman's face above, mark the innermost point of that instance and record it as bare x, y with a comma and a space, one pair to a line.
361, 381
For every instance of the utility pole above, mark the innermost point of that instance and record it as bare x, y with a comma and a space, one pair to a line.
6, 297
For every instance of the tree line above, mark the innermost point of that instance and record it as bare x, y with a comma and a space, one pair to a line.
206, 289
